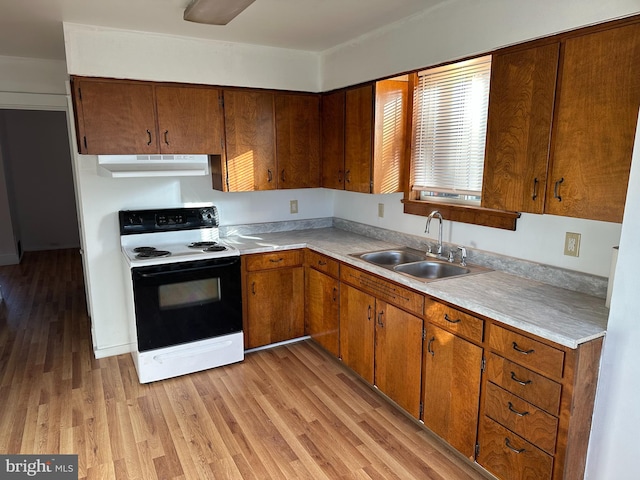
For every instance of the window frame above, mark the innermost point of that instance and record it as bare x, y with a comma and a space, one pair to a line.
457, 212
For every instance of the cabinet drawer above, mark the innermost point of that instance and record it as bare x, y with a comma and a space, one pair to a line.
265, 261
387, 291
323, 263
509, 456
532, 387
454, 320
527, 351
531, 423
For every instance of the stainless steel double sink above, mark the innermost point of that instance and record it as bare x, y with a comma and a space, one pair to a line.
418, 265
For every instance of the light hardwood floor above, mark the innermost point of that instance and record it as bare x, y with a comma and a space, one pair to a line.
285, 413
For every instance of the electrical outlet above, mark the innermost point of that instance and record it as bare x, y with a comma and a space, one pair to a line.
381, 210
293, 206
572, 244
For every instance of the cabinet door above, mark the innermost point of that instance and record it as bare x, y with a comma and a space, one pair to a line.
519, 128
333, 107
451, 388
357, 312
115, 117
323, 297
358, 139
390, 131
595, 125
275, 305
189, 120
250, 140
298, 140
398, 356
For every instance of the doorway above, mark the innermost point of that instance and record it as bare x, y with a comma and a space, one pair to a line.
38, 183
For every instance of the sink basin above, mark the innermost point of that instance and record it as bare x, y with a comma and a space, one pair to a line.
428, 269
417, 264
391, 258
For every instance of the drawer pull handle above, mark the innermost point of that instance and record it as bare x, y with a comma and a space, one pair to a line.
380, 322
431, 340
524, 352
276, 260
510, 447
446, 317
369, 313
556, 187
150, 139
517, 380
322, 263
520, 414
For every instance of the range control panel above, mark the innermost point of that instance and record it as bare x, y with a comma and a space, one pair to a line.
171, 219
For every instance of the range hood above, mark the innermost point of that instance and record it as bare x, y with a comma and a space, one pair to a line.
152, 165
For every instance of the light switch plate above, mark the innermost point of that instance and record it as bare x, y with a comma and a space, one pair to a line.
381, 210
572, 244
293, 206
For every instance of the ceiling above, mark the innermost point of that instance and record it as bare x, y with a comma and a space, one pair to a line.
33, 28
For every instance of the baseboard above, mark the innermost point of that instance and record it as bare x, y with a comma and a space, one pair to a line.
113, 351
9, 259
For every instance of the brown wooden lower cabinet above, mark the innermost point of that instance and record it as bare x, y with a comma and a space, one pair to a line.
517, 404
323, 298
383, 345
451, 388
274, 294
511, 457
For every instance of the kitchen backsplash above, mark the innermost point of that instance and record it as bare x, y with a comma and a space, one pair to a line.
559, 277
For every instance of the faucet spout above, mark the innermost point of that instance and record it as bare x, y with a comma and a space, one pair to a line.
437, 215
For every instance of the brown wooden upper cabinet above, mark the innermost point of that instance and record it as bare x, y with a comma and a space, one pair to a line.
251, 148
298, 140
363, 134
273, 140
521, 98
130, 117
597, 111
561, 125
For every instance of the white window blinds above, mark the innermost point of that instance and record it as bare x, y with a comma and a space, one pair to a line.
449, 128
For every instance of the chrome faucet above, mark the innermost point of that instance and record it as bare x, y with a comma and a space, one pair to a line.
438, 215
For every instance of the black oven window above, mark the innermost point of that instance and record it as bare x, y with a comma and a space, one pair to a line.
191, 293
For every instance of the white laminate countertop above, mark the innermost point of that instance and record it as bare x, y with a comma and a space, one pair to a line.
556, 314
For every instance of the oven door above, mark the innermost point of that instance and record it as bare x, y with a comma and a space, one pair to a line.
177, 303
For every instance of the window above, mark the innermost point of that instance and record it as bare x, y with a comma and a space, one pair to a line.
449, 131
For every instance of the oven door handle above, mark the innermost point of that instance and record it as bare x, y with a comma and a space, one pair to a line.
186, 270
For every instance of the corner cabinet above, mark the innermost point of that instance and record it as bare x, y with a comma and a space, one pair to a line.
363, 137
131, 117
274, 297
272, 140
322, 301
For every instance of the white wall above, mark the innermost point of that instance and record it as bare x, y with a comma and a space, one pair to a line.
456, 29
99, 51
538, 238
613, 451
32, 75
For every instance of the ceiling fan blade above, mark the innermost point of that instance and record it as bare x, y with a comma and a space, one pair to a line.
215, 12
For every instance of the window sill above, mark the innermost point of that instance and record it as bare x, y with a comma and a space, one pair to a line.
464, 213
